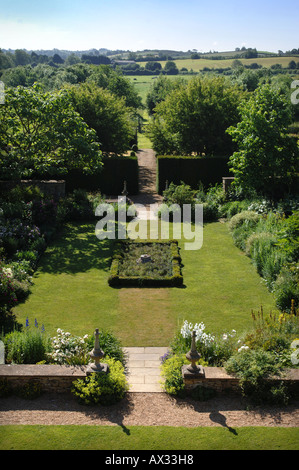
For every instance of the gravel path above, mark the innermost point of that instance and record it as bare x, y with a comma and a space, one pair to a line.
145, 409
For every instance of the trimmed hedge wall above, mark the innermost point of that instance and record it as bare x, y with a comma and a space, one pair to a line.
110, 180
191, 170
115, 280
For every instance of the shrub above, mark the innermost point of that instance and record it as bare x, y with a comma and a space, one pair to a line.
173, 379
210, 212
248, 219
22, 193
214, 350
273, 333
100, 388
27, 255
8, 321
15, 210
179, 194
18, 235
240, 235
172, 374
26, 347
267, 258
286, 287
7, 293
273, 222
255, 239
266, 352
112, 347
241, 226
76, 206
288, 237
70, 349
44, 211
255, 369
231, 208
15, 282
260, 207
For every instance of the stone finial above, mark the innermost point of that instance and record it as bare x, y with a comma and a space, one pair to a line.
96, 354
124, 191
193, 356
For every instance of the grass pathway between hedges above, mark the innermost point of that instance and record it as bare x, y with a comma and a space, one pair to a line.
71, 292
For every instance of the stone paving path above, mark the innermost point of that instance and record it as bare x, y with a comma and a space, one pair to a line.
144, 372
147, 195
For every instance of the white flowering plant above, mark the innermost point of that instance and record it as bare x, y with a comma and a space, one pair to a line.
69, 349
214, 349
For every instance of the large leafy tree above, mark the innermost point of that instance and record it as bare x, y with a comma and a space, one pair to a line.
267, 157
51, 78
107, 114
42, 134
159, 91
114, 81
194, 117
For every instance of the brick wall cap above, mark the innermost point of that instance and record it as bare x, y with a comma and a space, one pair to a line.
41, 370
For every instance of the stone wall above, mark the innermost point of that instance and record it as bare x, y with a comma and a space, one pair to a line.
52, 188
213, 377
59, 378
216, 378
51, 378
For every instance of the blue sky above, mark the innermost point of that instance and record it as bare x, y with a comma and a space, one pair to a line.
149, 24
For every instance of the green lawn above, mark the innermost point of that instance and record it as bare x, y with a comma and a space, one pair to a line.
71, 291
153, 438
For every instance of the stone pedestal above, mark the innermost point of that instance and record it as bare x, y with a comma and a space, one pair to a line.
188, 374
97, 354
97, 368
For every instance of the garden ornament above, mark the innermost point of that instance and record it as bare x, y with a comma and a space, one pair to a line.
96, 354
193, 356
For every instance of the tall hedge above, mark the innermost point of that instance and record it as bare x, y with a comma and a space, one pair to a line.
110, 180
191, 170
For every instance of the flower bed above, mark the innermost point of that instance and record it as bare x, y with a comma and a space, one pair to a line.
162, 269
262, 363
37, 363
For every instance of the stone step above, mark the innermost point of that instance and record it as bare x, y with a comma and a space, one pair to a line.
143, 368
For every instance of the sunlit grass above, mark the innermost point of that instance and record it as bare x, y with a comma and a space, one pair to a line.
71, 290
152, 438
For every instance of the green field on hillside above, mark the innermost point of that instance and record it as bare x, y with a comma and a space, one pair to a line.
199, 64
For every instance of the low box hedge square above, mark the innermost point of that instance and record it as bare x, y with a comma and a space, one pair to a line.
146, 264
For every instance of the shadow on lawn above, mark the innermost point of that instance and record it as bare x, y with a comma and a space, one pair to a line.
76, 249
